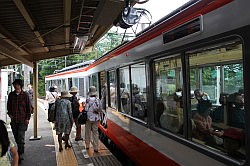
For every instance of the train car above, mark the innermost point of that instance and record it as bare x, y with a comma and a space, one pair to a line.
175, 94
69, 76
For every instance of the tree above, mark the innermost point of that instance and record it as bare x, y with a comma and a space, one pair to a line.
48, 67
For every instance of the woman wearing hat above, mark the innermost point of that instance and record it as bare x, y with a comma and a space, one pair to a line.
64, 119
93, 108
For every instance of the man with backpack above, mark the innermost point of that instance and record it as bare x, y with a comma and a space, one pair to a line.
75, 110
93, 108
51, 97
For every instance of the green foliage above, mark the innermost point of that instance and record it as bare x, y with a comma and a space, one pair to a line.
109, 41
209, 75
48, 66
233, 77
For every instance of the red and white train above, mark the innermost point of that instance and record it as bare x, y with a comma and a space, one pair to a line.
151, 109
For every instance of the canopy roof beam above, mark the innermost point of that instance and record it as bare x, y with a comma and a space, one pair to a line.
18, 58
30, 22
67, 16
10, 39
6, 39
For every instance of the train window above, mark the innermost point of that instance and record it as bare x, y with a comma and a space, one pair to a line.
70, 83
81, 87
139, 91
103, 80
94, 81
103, 84
76, 82
63, 86
124, 90
47, 85
217, 98
168, 94
112, 89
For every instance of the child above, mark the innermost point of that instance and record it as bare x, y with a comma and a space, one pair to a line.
7, 149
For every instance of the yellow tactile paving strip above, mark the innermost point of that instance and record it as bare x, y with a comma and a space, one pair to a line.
65, 157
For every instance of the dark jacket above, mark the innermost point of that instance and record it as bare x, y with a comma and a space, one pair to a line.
75, 106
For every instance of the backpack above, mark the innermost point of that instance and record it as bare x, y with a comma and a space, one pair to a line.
82, 117
52, 113
94, 107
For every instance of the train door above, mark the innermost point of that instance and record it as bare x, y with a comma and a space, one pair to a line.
86, 85
103, 96
70, 83
81, 87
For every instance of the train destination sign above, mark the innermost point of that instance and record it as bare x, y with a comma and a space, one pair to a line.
187, 29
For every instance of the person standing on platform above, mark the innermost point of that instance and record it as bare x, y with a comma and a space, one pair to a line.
93, 108
19, 110
51, 97
31, 95
64, 119
75, 110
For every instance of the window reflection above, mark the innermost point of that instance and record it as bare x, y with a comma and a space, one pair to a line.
124, 90
217, 98
112, 89
168, 91
139, 91
93, 81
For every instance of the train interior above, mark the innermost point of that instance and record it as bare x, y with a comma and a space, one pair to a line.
217, 114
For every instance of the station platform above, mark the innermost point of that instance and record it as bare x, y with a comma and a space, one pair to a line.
45, 151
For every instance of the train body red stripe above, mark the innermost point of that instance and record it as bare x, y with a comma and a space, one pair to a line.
137, 150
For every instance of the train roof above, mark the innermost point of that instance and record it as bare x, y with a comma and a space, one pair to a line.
76, 66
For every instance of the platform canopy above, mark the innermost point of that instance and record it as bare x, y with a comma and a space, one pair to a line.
32, 30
